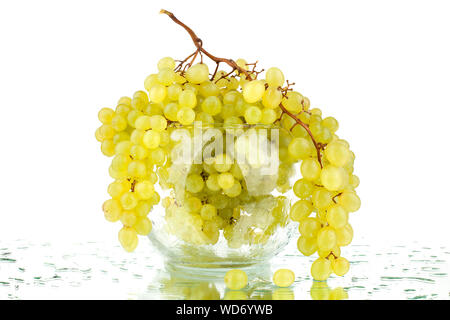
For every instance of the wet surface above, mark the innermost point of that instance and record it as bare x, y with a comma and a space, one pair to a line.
95, 270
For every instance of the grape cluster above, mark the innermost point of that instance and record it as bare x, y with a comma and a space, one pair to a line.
207, 200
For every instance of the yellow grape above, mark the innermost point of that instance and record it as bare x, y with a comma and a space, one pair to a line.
274, 77
253, 91
349, 200
340, 266
112, 210
310, 169
337, 217
321, 269
283, 278
307, 246
128, 238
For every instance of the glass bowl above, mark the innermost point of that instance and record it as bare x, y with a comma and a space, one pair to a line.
226, 193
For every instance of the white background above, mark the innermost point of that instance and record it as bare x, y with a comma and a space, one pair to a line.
382, 68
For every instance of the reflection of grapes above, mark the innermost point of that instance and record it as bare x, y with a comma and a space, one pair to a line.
207, 199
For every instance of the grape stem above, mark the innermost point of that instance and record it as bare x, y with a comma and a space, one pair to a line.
199, 45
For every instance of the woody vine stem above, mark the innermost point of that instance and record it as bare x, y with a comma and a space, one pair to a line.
235, 67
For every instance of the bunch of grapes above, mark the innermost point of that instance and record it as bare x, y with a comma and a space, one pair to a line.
207, 199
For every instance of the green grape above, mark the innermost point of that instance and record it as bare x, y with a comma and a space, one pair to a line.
337, 153
137, 169
307, 246
150, 81
171, 111
143, 226
222, 163
344, 235
236, 171
128, 218
166, 62
283, 278
301, 210
194, 204
234, 190
121, 136
144, 190
187, 99
132, 116
326, 238
212, 182
322, 198
142, 123
272, 98
330, 123
231, 97
227, 111
128, 238
268, 116
274, 77
225, 180
198, 73
337, 217
174, 91
119, 123
303, 188
325, 136
293, 102
122, 110
123, 148
129, 200
157, 156
212, 105
310, 169
204, 118
158, 123
309, 227
108, 148
120, 162
124, 100
253, 115
349, 200
186, 116
117, 188
209, 88
157, 93
105, 132
316, 111
194, 183
340, 266
143, 208
106, 115
151, 139
354, 181
253, 91
137, 136
166, 76
321, 269
138, 152
112, 210
333, 178
235, 279
208, 212
300, 148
